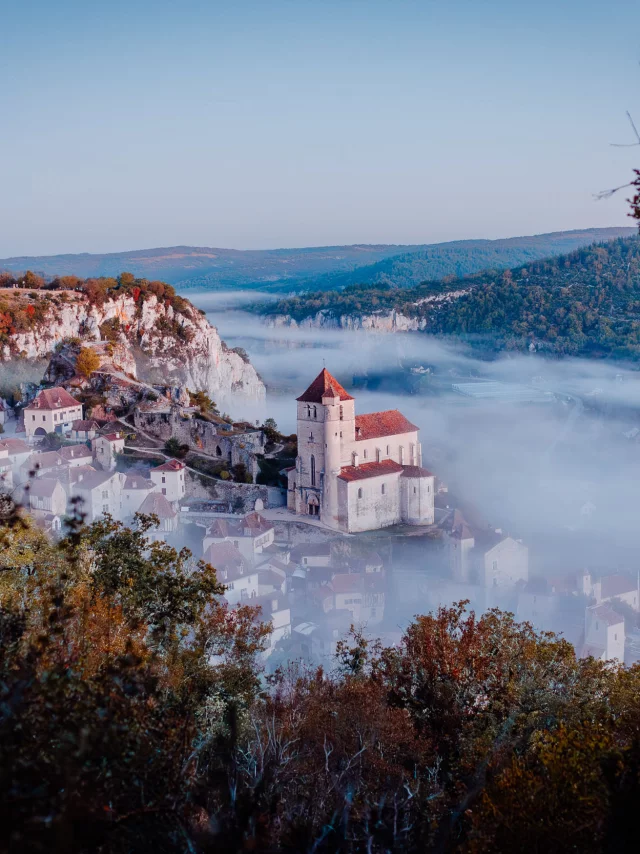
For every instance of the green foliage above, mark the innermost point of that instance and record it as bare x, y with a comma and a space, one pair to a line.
240, 473
175, 449
586, 303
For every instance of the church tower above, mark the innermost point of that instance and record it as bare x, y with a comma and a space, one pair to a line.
325, 425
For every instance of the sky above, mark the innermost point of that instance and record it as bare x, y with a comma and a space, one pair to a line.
134, 124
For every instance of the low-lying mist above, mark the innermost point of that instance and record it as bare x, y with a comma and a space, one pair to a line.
562, 475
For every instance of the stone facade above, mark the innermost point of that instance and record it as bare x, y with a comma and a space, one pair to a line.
217, 440
357, 472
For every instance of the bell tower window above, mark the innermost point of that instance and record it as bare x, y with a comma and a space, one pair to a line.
313, 470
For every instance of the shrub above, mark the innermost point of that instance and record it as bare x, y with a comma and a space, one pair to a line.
87, 362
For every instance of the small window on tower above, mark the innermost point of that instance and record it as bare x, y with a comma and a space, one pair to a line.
382, 489
364, 454
341, 413
388, 449
360, 493
308, 411
315, 412
311, 437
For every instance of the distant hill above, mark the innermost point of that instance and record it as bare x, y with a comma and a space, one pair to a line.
318, 268
585, 303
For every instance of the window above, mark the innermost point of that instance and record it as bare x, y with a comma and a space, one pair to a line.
597, 625
378, 455
313, 470
414, 490
311, 437
105, 508
494, 566
382, 489
44, 417
105, 493
401, 455
33, 417
388, 449
615, 637
360, 493
235, 543
341, 414
164, 491
364, 454
315, 412
218, 451
308, 411
412, 451
164, 480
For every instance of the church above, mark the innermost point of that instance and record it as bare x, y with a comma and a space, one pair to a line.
357, 472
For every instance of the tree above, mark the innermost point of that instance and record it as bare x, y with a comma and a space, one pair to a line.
87, 361
32, 280
202, 400
174, 448
240, 473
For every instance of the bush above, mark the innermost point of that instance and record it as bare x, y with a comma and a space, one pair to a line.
224, 474
173, 447
87, 362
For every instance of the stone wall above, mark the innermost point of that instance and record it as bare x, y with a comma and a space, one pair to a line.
240, 497
232, 448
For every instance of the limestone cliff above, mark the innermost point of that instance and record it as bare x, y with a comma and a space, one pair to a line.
176, 347
375, 321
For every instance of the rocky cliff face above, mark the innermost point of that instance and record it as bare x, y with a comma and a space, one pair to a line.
180, 348
390, 321
377, 321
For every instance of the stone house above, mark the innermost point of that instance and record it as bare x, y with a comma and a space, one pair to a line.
105, 449
76, 455
18, 453
155, 503
135, 490
604, 635
100, 493
241, 581
251, 535
52, 410
169, 479
47, 495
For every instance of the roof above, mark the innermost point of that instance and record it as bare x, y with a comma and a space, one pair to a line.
323, 383
134, 481
75, 452
52, 398
347, 583
616, 585
44, 487
91, 480
223, 555
458, 526
15, 446
415, 471
221, 528
310, 550
256, 524
157, 504
80, 425
44, 460
607, 615
112, 437
170, 465
270, 577
367, 470
374, 425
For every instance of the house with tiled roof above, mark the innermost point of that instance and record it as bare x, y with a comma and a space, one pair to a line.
357, 472
135, 489
170, 480
99, 492
604, 634
155, 504
76, 455
251, 535
233, 570
53, 410
47, 496
83, 430
105, 448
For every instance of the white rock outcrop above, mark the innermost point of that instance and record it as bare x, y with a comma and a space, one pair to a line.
183, 347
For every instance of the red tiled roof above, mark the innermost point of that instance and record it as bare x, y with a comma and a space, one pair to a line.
367, 470
137, 481
75, 452
223, 556
322, 384
617, 585
256, 524
374, 425
112, 437
87, 424
415, 471
52, 398
347, 583
157, 504
15, 446
607, 615
170, 465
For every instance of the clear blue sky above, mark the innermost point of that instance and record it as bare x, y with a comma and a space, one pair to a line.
130, 123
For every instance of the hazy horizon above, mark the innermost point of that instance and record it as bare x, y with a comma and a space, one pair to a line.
298, 124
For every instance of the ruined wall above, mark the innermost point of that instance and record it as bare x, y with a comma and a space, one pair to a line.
204, 436
241, 497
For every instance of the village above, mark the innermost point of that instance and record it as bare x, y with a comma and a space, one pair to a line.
353, 533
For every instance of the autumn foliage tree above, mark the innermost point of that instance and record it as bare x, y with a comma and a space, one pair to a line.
87, 361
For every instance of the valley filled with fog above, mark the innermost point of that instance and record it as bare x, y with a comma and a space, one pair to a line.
560, 474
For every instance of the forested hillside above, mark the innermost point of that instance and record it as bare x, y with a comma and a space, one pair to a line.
322, 267
133, 719
585, 303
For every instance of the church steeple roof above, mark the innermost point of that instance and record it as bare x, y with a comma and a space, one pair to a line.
322, 383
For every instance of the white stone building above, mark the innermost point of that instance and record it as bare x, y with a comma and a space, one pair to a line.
76, 455
18, 452
169, 479
232, 569
157, 505
604, 635
357, 472
105, 449
47, 496
612, 587
135, 490
486, 557
100, 493
251, 535
52, 410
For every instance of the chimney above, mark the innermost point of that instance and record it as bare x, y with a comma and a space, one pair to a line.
356, 459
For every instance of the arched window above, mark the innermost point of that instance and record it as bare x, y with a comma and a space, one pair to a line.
360, 493
342, 413
308, 411
313, 470
218, 451
315, 412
